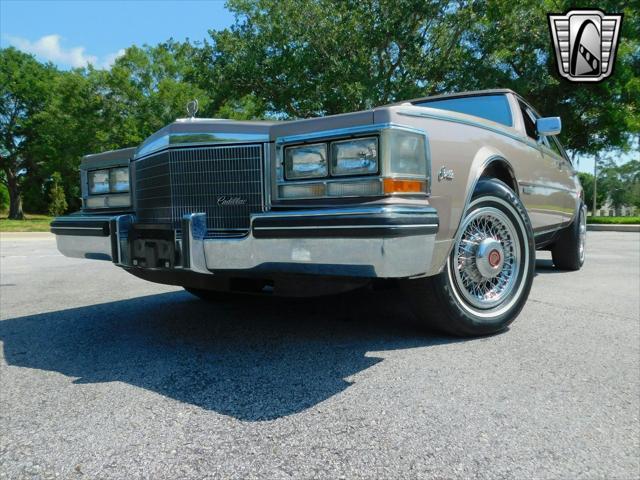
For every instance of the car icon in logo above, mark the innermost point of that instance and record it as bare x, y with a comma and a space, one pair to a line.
585, 43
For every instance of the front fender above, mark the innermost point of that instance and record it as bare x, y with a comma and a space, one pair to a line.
452, 199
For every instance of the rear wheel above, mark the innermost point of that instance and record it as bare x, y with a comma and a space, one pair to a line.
569, 251
489, 272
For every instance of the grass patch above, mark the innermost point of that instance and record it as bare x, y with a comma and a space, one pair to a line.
614, 220
31, 223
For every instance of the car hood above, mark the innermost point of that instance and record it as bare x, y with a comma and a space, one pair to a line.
202, 131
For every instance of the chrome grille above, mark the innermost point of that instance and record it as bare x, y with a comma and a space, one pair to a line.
212, 180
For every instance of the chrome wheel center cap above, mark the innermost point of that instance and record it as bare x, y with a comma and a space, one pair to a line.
489, 258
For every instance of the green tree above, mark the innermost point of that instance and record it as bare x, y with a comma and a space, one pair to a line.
630, 175
338, 56
634, 195
146, 89
57, 200
509, 46
619, 182
342, 56
89, 111
69, 126
586, 179
25, 87
246, 108
4, 198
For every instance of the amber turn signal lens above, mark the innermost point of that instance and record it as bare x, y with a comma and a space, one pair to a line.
394, 185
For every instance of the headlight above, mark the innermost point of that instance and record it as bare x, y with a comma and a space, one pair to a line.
306, 161
406, 151
354, 157
382, 161
99, 181
108, 201
119, 179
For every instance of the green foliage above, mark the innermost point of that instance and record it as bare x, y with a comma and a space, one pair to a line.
290, 59
634, 195
620, 182
516, 52
34, 193
586, 179
337, 56
57, 201
246, 108
342, 56
146, 89
4, 198
63, 115
614, 220
25, 88
630, 177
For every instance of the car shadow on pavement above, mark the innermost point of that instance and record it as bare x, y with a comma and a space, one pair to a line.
545, 266
254, 359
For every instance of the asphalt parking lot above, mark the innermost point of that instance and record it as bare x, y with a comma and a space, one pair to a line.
103, 375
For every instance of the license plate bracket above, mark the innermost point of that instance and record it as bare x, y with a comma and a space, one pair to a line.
153, 246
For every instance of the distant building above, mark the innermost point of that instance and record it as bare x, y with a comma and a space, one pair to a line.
608, 210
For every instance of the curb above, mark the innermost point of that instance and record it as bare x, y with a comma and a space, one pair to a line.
601, 227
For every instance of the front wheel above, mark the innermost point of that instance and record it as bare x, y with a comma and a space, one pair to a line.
489, 272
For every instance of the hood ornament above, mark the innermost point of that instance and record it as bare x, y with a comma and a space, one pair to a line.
192, 108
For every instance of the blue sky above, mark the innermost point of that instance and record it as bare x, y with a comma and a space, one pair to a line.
72, 33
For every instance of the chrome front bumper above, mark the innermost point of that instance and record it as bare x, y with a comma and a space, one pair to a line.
372, 241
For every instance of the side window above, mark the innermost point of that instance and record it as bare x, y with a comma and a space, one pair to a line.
529, 121
491, 107
555, 146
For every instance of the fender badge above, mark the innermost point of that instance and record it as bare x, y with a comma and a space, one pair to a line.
445, 174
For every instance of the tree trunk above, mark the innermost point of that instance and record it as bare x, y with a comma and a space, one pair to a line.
15, 199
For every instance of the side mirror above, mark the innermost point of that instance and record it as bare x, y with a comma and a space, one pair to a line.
549, 125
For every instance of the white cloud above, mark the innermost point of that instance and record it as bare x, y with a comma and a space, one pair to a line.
49, 48
111, 58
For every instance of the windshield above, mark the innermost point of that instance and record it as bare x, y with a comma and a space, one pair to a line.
490, 107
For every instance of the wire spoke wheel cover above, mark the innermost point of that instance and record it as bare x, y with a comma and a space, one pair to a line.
486, 264
489, 270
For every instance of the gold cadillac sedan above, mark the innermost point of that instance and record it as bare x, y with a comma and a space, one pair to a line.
447, 196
